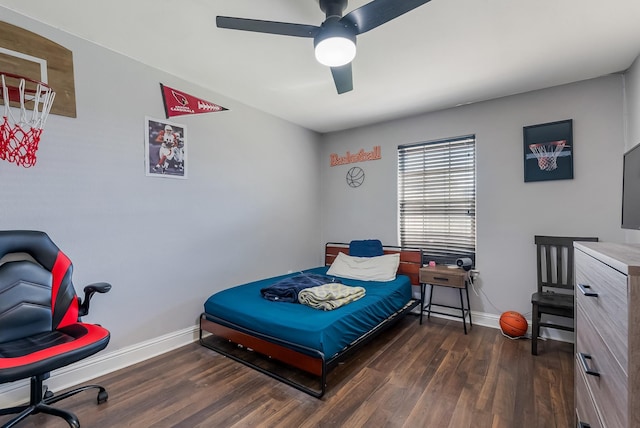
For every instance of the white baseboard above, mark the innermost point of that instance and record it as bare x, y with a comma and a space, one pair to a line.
103, 363
82, 372
493, 321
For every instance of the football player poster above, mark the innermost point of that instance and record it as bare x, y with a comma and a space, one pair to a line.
165, 149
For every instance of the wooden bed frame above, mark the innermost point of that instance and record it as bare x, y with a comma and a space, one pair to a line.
308, 360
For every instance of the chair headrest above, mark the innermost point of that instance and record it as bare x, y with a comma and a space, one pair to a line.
35, 243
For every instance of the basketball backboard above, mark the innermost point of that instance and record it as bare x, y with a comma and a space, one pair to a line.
31, 55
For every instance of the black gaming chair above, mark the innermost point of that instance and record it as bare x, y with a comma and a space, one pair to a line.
40, 326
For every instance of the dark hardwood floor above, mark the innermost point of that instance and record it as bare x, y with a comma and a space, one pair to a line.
429, 375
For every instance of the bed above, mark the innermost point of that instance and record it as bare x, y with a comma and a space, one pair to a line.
302, 337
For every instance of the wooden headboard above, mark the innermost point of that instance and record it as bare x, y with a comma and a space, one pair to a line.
410, 258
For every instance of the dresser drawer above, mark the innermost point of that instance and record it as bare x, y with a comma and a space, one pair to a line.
609, 389
585, 409
608, 310
443, 276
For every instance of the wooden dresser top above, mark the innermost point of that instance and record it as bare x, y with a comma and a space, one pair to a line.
622, 257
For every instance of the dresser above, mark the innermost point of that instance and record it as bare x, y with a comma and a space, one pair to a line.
607, 326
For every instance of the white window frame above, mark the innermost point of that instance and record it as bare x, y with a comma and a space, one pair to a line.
437, 198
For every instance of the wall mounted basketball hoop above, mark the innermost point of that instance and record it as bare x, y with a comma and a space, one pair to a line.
20, 134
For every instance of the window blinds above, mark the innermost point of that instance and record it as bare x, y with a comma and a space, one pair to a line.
437, 198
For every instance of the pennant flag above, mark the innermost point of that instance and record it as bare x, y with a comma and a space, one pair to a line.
177, 103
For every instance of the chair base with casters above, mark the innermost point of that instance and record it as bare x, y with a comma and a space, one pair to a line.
40, 322
41, 400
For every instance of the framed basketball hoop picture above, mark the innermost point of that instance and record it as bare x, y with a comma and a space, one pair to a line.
165, 149
548, 151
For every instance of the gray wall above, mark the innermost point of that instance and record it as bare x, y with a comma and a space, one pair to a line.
509, 211
249, 207
632, 121
261, 197
632, 104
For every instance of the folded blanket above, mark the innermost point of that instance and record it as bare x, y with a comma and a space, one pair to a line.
330, 296
287, 289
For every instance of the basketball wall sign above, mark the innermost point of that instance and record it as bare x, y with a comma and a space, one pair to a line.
361, 156
178, 103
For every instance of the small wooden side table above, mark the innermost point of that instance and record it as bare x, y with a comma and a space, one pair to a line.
443, 276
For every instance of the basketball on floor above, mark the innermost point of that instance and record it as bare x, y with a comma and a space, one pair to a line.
513, 324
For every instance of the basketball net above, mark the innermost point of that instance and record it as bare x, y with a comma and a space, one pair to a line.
547, 154
19, 137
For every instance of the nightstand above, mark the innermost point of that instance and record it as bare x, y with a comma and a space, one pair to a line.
442, 276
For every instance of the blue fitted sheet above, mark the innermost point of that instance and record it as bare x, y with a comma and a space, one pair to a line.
325, 331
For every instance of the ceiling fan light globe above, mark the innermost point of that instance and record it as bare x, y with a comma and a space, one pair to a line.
335, 51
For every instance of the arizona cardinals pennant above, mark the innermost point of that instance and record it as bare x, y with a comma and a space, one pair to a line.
177, 103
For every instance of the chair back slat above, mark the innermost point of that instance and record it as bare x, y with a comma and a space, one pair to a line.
570, 265
555, 261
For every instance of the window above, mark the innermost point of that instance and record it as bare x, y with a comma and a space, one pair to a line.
437, 198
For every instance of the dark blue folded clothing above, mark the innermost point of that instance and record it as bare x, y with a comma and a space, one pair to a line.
287, 289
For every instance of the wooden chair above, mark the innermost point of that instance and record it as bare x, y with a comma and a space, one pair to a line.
555, 284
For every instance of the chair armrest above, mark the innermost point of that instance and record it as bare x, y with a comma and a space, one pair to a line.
89, 291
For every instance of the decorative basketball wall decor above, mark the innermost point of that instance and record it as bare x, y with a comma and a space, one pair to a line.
355, 177
548, 151
361, 156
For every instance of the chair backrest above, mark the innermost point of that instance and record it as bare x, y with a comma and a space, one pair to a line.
36, 292
555, 261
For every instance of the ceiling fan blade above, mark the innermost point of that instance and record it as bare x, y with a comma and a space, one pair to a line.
342, 77
271, 27
377, 12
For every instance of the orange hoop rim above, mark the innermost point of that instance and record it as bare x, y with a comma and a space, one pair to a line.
14, 91
549, 143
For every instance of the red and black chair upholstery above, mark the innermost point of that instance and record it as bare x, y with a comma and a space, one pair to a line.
40, 325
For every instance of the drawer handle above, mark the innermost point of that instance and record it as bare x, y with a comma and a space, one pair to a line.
583, 360
583, 425
440, 278
583, 290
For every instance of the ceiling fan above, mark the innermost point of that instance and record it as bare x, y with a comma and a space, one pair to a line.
335, 39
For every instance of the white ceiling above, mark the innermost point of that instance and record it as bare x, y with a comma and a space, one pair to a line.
443, 54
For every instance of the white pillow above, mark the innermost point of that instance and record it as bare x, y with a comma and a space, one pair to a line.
379, 268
